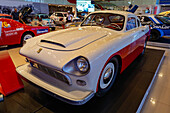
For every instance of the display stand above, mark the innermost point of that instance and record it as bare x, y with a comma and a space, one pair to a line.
9, 80
125, 96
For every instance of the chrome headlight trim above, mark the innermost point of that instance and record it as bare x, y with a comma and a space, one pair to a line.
79, 66
82, 65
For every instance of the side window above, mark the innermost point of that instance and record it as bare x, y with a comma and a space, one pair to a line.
59, 14
65, 15
146, 19
131, 23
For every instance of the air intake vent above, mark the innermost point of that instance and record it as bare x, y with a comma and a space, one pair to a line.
47, 41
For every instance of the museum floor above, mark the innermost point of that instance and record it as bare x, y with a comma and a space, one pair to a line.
158, 100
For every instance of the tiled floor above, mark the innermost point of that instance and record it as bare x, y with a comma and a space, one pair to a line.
158, 100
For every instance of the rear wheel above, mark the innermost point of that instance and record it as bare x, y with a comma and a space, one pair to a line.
108, 77
155, 35
26, 36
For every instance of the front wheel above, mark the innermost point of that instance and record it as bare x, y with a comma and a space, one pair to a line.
108, 77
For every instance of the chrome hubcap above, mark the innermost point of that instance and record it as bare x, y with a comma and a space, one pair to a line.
27, 37
107, 75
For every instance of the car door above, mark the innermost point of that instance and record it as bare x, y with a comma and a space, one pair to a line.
9, 33
133, 28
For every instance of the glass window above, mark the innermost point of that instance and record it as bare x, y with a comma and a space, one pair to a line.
44, 16
131, 23
107, 20
59, 14
65, 15
145, 19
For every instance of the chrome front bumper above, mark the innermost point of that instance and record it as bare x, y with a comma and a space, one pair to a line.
54, 87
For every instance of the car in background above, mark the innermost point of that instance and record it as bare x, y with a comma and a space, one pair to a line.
14, 32
76, 63
5, 16
42, 19
61, 18
165, 13
160, 25
25, 15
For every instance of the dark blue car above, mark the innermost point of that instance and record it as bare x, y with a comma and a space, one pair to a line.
160, 25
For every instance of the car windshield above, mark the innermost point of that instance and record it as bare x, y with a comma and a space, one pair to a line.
44, 16
165, 20
107, 20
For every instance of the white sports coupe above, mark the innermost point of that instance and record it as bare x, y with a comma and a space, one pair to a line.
77, 63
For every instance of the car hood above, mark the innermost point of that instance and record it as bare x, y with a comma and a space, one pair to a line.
73, 39
24, 12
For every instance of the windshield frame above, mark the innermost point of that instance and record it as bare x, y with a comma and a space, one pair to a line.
81, 25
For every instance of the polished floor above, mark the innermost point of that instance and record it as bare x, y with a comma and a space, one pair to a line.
157, 101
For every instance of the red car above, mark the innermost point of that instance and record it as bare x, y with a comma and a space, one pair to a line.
14, 32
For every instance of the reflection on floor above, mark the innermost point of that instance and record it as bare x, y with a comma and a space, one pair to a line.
27, 101
158, 100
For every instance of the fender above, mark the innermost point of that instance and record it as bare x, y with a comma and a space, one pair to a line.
113, 55
27, 30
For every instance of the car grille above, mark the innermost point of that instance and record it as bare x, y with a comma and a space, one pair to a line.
51, 72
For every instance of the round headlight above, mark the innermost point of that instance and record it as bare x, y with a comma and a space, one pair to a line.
82, 65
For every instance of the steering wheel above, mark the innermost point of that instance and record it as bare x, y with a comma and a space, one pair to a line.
114, 25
